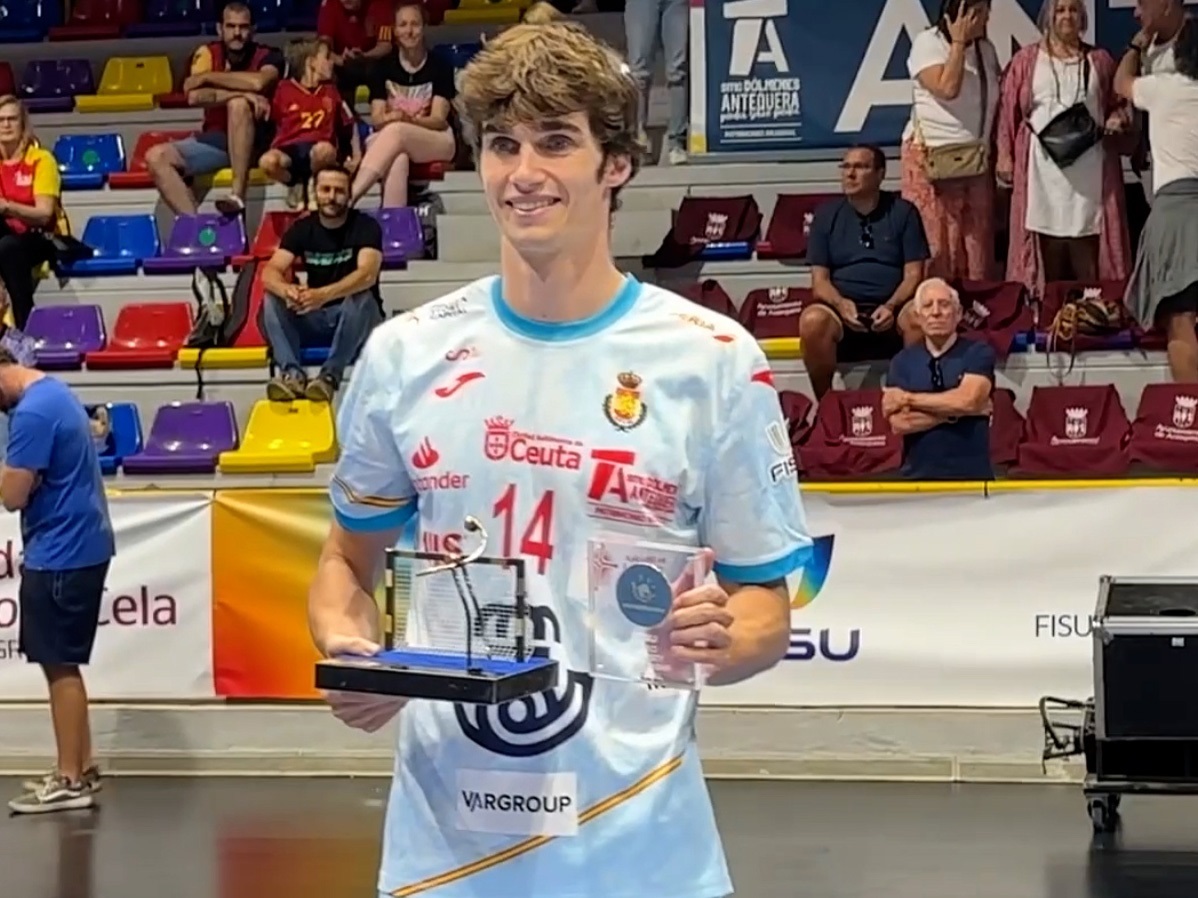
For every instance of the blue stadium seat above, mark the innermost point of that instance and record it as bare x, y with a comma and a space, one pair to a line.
166, 18
121, 243
86, 160
300, 15
125, 438
315, 355
27, 21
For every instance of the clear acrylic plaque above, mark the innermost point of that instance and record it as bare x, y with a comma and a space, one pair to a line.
632, 585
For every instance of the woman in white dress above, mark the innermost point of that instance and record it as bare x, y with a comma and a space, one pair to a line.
1067, 222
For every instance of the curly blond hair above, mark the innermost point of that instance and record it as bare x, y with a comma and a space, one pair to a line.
534, 72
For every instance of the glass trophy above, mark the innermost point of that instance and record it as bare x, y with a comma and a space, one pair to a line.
456, 629
632, 585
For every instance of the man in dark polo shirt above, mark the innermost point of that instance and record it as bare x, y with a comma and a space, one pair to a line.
938, 393
867, 252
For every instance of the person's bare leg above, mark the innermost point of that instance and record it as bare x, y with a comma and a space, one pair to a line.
1083, 257
322, 156
395, 185
1182, 348
276, 165
165, 166
819, 332
68, 711
241, 144
386, 146
908, 325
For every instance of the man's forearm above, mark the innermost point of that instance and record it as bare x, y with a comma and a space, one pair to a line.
951, 403
338, 605
238, 82
275, 282
824, 291
213, 96
355, 282
903, 293
907, 422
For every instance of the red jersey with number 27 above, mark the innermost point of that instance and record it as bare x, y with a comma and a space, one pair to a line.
308, 116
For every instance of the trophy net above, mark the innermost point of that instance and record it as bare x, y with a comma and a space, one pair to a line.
466, 608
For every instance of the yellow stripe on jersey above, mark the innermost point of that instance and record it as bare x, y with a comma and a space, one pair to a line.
521, 848
355, 498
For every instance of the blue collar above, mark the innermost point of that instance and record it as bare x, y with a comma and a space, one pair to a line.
561, 331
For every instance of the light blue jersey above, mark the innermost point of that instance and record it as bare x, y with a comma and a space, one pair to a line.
654, 418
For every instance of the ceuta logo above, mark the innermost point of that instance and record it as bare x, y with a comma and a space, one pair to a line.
461, 381
425, 456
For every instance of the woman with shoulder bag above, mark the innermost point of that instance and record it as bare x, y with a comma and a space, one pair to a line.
947, 171
1061, 129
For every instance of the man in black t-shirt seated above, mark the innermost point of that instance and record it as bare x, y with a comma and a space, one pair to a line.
342, 252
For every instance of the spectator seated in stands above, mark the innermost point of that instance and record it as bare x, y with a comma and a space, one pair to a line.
938, 394
30, 208
231, 79
311, 120
411, 99
359, 34
867, 252
341, 249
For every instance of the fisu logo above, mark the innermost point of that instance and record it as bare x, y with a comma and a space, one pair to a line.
529, 726
754, 22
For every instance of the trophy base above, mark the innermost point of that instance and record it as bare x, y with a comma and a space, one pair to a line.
410, 673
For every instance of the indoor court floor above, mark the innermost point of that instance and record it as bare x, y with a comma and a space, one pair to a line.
318, 838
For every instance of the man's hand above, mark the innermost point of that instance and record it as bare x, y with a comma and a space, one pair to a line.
360, 710
307, 300
882, 319
894, 400
699, 621
260, 105
1118, 121
847, 310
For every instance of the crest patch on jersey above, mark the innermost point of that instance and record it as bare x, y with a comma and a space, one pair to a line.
624, 407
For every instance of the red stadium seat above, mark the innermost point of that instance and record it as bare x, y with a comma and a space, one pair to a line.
995, 313
773, 313
1164, 436
7, 81
146, 335
711, 296
707, 227
136, 177
1074, 432
270, 232
851, 438
790, 225
97, 20
428, 171
1006, 428
797, 408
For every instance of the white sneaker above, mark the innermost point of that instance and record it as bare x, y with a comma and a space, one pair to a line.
93, 780
677, 156
55, 794
295, 197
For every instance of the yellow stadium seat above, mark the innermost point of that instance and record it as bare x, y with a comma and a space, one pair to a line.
224, 357
362, 95
782, 348
284, 438
129, 84
224, 178
493, 14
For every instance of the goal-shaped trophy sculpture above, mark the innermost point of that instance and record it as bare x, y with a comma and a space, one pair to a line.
456, 629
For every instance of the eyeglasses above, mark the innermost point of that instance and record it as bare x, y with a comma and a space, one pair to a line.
867, 234
937, 374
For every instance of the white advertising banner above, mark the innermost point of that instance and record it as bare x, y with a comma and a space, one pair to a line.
155, 637
963, 600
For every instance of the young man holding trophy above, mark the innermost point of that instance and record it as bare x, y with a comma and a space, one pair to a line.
611, 445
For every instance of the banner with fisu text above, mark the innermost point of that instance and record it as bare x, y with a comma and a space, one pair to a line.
782, 75
155, 636
912, 599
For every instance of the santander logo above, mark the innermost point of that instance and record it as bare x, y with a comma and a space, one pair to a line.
461, 381
425, 456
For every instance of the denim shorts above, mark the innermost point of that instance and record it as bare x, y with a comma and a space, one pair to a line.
204, 154
60, 614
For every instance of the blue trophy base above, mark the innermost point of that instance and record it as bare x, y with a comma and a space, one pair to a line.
438, 676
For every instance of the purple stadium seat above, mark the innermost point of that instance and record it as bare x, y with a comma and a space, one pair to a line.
186, 438
64, 334
206, 239
403, 237
51, 85
166, 18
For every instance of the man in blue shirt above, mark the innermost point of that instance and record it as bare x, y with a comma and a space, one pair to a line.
52, 476
867, 252
938, 394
